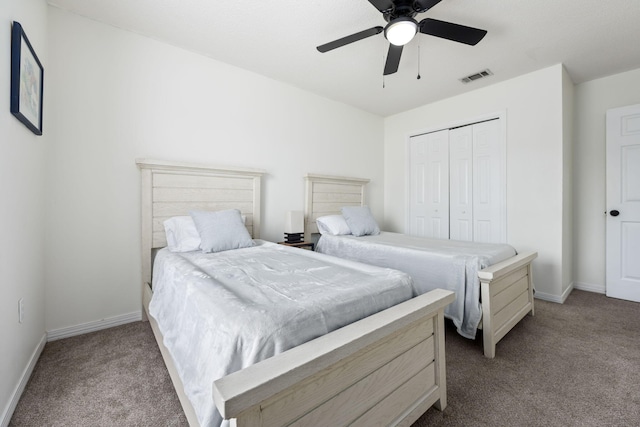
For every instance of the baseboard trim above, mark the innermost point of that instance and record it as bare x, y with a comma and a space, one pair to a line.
567, 292
97, 325
549, 297
26, 374
560, 299
589, 287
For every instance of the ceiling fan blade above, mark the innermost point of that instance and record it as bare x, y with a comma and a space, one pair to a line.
393, 59
350, 39
426, 4
451, 31
382, 5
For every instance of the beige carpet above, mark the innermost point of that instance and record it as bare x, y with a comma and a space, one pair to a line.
576, 364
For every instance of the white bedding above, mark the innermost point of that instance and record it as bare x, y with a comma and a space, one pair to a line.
432, 263
221, 312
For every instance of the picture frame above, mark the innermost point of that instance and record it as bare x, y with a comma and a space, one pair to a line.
27, 78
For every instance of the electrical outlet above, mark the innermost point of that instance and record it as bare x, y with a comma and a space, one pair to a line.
20, 310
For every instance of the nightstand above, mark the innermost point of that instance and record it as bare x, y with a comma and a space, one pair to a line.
303, 245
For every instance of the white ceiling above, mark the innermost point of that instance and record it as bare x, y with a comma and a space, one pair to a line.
277, 39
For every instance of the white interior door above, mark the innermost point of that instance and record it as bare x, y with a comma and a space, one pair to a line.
429, 186
623, 203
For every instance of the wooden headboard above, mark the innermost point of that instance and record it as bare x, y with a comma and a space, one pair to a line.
326, 195
173, 189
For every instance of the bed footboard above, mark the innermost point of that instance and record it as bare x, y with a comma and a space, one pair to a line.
507, 296
387, 369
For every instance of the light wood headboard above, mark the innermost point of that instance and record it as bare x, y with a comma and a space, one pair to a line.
326, 195
173, 189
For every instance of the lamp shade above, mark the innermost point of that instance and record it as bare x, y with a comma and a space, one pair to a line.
401, 30
294, 222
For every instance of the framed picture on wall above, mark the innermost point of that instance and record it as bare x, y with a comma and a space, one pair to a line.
27, 77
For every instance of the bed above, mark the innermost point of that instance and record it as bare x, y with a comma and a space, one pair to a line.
385, 369
493, 283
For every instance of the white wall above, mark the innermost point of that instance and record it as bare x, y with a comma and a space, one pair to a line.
71, 196
592, 100
117, 96
535, 147
22, 191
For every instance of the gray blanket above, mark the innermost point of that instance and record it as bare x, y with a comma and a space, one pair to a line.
432, 263
222, 312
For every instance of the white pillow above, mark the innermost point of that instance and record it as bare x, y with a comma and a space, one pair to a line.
221, 230
334, 225
360, 220
182, 235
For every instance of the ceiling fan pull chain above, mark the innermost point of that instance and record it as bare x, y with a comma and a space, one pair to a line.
418, 78
383, 61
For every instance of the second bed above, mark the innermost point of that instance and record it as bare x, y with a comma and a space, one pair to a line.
493, 283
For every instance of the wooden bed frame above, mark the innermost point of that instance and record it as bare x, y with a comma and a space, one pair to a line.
386, 369
506, 287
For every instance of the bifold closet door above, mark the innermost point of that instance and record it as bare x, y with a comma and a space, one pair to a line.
489, 184
476, 184
457, 183
461, 222
429, 185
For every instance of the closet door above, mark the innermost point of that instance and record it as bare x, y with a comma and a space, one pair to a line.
489, 188
458, 183
461, 161
429, 185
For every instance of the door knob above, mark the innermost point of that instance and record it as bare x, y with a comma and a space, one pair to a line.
614, 213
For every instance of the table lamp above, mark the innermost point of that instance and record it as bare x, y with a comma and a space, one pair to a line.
294, 227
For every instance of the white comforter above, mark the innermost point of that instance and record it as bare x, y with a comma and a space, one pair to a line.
432, 263
221, 312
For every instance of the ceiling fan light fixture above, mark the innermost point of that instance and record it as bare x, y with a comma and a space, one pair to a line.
401, 30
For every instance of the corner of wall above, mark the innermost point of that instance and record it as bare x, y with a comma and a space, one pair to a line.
568, 263
10, 407
22, 165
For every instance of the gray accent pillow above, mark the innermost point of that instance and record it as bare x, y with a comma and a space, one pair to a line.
221, 230
360, 220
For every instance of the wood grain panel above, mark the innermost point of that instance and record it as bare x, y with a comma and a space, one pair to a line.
332, 207
355, 400
503, 282
348, 372
505, 297
195, 195
169, 209
510, 310
192, 181
385, 412
353, 198
322, 187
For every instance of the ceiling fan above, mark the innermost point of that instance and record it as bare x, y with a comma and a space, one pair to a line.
402, 27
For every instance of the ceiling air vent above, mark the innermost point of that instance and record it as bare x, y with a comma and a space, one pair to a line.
482, 74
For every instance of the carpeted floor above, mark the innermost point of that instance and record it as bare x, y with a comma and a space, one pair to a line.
575, 364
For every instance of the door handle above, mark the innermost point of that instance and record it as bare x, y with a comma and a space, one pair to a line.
614, 213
